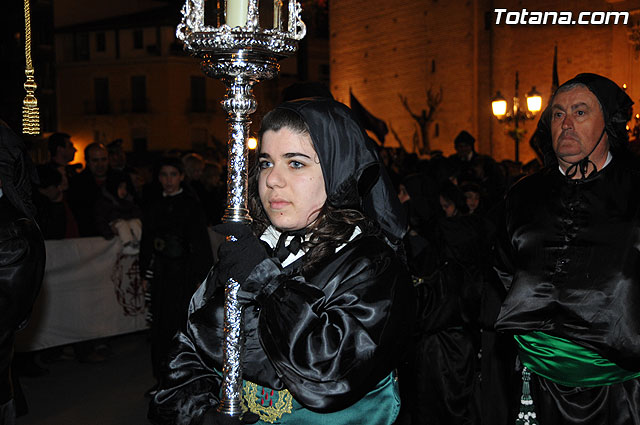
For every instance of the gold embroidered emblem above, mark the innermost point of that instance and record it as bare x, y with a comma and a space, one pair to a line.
270, 405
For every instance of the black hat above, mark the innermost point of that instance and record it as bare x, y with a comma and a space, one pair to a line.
464, 138
616, 110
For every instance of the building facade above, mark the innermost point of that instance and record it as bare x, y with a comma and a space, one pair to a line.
128, 77
384, 50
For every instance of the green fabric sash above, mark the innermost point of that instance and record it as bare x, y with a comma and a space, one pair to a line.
379, 407
566, 363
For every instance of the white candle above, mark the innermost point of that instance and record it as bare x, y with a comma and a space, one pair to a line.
237, 11
277, 11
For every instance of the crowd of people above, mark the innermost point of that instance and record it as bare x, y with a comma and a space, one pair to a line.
375, 283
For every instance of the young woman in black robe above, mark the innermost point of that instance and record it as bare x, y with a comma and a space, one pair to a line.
325, 322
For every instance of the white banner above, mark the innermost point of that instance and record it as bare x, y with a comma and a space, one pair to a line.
90, 290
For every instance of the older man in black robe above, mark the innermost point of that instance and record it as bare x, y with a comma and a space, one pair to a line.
570, 260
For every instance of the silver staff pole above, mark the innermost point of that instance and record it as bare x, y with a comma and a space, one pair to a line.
241, 53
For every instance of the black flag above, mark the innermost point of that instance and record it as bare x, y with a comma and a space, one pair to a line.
555, 83
367, 120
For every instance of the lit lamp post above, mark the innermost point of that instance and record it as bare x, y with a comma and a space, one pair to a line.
499, 108
241, 50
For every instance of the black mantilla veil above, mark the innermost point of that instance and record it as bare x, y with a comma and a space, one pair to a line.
616, 110
353, 173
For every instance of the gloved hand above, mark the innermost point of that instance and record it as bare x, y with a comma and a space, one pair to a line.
213, 417
239, 253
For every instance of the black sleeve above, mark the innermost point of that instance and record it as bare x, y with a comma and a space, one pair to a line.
503, 252
22, 262
332, 339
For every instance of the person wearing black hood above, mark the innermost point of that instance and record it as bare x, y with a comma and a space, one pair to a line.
328, 303
22, 256
569, 259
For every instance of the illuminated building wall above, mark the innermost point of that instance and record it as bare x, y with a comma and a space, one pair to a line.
381, 49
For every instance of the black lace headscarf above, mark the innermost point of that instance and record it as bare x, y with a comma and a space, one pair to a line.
17, 171
616, 109
353, 174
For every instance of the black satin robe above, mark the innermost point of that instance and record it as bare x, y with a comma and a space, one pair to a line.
22, 261
571, 262
328, 338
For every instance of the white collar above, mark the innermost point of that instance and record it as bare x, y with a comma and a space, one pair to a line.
271, 236
166, 195
608, 160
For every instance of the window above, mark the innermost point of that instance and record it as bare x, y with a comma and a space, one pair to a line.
198, 94
101, 92
138, 93
138, 39
81, 46
101, 42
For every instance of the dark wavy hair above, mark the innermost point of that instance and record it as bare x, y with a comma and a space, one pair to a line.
333, 227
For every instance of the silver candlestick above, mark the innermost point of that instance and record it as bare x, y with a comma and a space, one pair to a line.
241, 53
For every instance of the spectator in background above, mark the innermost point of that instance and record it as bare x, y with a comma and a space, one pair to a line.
117, 157
62, 152
175, 256
86, 188
464, 144
193, 167
452, 200
54, 216
473, 194
117, 214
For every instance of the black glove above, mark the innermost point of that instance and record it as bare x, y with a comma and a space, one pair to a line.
213, 417
239, 253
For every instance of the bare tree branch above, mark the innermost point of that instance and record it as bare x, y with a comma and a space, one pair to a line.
426, 116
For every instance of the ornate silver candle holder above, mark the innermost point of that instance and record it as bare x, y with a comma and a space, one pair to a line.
240, 52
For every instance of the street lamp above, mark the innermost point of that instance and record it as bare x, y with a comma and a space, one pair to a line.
499, 108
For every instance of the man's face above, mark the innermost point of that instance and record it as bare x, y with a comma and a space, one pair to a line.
117, 159
170, 179
463, 149
69, 150
576, 125
98, 162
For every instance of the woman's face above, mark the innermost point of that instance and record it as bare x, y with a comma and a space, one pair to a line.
403, 195
291, 185
122, 190
473, 200
448, 207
